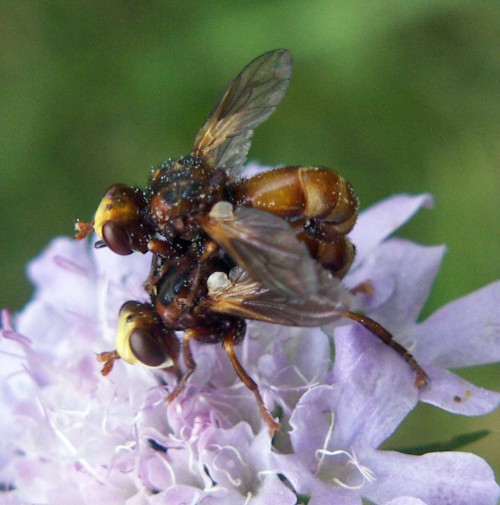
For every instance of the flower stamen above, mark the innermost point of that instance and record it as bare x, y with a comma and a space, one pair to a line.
366, 473
219, 449
323, 451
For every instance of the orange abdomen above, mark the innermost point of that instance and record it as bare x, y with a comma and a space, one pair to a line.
303, 192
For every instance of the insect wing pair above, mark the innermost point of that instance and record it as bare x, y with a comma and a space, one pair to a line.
284, 232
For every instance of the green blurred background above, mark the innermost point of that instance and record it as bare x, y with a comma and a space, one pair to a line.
399, 96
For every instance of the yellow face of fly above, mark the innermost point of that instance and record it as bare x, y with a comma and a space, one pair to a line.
136, 334
113, 208
126, 325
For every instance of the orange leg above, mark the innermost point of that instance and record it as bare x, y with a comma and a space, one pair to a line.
228, 344
380, 332
210, 247
190, 364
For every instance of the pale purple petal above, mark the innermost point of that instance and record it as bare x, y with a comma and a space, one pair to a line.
464, 332
179, 494
441, 478
273, 492
233, 457
293, 363
405, 500
302, 476
64, 277
411, 269
336, 475
297, 471
327, 495
315, 408
454, 394
236, 459
360, 409
377, 389
377, 222
382, 287
215, 395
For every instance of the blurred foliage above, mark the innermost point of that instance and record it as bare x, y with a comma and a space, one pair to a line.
398, 96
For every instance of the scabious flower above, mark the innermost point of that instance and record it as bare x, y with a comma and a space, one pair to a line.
72, 436
464, 333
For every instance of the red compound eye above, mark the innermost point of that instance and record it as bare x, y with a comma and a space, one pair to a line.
116, 238
146, 348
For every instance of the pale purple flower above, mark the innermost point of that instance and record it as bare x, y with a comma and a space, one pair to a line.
72, 436
465, 332
337, 429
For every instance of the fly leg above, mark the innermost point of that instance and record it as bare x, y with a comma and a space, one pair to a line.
233, 337
209, 334
210, 247
190, 365
380, 332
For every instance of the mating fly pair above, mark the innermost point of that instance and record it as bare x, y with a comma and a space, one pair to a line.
271, 247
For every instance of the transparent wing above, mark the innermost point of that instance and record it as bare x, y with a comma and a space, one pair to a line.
249, 299
224, 139
266, 247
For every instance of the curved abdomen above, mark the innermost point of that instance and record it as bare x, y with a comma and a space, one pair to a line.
302, 192
319, 202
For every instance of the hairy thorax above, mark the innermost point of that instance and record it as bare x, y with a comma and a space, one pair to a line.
179, 191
